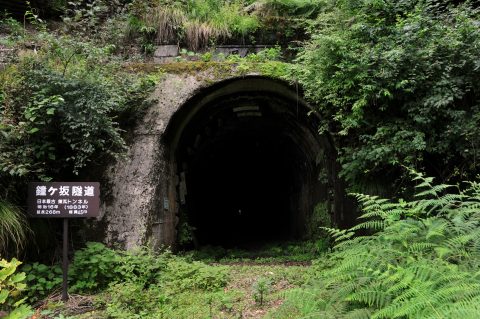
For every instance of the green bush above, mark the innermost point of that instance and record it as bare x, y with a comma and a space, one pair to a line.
93, 268
400, 82
41, 280
181, 275
60, 109
142, 266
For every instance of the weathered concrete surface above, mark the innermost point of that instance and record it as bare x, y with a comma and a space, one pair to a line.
135, 212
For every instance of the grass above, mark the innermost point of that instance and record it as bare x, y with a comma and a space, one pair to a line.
13, 228
235, 300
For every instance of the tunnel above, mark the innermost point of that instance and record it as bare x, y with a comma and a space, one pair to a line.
249, 163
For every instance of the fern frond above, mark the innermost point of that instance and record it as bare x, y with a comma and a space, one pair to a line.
433, 191
375, 297
421, 247
370, 225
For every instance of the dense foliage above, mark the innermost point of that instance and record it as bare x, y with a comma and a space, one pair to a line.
59, 109
65, 104
134, 284
420, 262
194, 25
398, 83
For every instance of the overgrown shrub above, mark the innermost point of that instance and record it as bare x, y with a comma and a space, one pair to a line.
60, 108
398, 82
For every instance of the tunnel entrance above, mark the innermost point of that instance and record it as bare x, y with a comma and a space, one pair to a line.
247, 160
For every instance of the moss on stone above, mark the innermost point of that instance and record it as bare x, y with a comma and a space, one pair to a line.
213, 71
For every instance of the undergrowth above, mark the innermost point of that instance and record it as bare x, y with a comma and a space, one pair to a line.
272, 253
405, 259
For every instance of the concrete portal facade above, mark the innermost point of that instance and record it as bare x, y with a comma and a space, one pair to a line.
199, 155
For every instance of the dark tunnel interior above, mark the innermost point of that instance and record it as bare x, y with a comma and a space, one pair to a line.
248, 174
239, 189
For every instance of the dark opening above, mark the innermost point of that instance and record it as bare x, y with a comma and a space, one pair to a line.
246, 164
239, 188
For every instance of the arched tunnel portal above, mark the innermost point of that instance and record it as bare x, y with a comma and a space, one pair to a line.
248, 163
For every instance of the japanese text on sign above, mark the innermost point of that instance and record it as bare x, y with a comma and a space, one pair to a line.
64, 199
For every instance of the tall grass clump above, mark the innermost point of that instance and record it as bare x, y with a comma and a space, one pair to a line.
405, 259
13, 228
193, 24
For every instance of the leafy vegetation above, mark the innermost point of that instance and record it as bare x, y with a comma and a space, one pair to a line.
195, 25
41, 280
142, 283
11, 285
420, 262
398, 82
275, 252
67, 87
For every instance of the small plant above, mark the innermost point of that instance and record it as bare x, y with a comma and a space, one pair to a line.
41, 280
11, 286
206, 57
93, 268
261, 288
31, 15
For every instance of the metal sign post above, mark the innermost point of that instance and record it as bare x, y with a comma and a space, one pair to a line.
64, 200
65, 261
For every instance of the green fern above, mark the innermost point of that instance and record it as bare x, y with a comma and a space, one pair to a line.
421, 259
